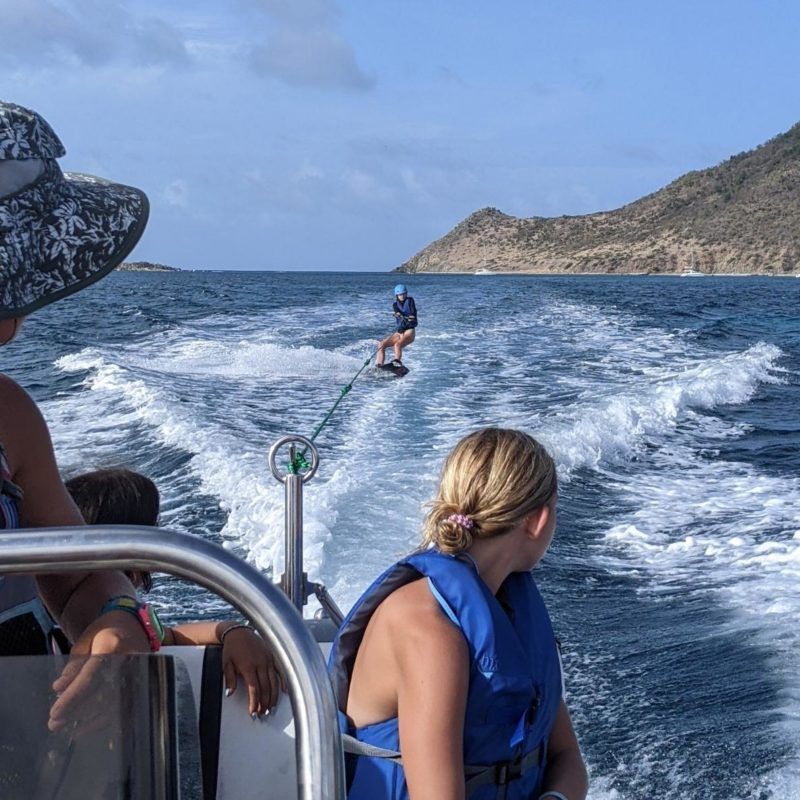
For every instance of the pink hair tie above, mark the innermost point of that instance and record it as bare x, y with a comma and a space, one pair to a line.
460, 519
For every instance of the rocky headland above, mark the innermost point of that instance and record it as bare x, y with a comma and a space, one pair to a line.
742, 216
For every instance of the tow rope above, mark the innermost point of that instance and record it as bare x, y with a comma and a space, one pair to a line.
299, 461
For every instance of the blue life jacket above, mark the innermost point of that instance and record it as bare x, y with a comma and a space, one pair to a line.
514, 682
408, 311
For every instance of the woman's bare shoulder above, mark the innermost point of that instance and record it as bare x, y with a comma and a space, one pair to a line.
413, 614
15, 401
10, 389
414, 597
17, 407
23, 431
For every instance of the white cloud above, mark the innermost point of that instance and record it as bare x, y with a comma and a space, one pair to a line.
309, 171
411, 182
156, 41
88, 32
300, 13
366, 187
303, 47
176, 193
296, 42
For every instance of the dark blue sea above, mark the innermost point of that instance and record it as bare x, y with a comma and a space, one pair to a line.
670, 404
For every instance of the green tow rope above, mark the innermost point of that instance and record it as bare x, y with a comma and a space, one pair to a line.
299, 461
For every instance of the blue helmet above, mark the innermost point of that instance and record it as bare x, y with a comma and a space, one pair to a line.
400, 289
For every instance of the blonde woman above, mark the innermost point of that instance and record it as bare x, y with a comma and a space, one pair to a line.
446, 671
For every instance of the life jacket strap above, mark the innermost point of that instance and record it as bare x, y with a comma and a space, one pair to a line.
477, 775
502, 774
358, 748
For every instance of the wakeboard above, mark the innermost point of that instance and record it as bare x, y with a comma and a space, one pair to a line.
398, 370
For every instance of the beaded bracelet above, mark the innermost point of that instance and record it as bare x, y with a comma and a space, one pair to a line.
233, 628
144, 615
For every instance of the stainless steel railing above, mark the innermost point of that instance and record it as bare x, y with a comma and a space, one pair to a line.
320, 770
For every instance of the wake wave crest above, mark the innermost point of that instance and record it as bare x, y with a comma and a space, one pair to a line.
615, 427
243, 359
227, 468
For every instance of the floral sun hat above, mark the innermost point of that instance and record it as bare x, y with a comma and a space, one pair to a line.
59, 232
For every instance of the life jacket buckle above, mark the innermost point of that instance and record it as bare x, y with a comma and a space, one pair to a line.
508, 771
532, 711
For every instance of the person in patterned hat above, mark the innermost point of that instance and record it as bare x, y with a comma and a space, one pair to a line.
59, 233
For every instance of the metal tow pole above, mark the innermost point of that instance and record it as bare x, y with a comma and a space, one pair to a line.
293, 580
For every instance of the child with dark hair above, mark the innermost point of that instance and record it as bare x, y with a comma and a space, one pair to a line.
120, 496
117, 497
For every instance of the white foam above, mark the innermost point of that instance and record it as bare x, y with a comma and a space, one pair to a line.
227, 468
724, 529
263, 361
609, 428
780, 783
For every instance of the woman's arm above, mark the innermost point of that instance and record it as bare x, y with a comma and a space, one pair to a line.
432, 660
76, 598
566, 772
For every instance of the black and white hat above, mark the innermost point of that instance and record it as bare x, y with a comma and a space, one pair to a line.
59, 232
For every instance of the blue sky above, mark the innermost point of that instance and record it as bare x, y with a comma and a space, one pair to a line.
317, 134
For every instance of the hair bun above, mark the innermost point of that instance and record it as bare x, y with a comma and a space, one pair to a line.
462, 520
453, 536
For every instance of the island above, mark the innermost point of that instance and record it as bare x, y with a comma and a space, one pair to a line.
145, 266
739, 217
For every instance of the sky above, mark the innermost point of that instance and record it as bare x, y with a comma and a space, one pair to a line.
319, 134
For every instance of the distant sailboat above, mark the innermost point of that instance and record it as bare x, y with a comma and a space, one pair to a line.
690, 271
483, 270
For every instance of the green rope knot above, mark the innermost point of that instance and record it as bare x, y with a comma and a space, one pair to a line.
298, 463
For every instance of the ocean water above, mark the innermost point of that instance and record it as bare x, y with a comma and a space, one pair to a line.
670, 404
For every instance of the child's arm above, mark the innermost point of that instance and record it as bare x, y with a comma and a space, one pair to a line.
196, 633
243, 653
